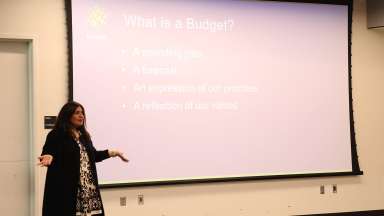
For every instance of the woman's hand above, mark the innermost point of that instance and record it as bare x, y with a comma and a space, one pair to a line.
115, 153
45, 160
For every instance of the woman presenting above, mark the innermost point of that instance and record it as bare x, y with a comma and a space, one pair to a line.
71, 185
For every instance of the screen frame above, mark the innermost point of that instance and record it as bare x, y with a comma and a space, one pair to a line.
356, 171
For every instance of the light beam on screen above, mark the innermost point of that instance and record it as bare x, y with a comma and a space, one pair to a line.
213, 89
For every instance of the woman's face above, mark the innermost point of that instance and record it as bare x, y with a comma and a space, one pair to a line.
77, 118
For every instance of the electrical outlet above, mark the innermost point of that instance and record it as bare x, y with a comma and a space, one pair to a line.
334, 188
123, 201
140, 199
322, 189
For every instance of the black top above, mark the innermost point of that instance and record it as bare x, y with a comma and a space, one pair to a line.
63, 174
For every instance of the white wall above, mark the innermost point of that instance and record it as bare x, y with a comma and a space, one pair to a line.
45, 20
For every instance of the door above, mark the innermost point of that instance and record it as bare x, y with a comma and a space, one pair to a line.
15, 173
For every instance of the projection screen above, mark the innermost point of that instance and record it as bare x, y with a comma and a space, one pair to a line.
214, 90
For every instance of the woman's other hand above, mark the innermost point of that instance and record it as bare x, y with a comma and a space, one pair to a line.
45, 160
115, 153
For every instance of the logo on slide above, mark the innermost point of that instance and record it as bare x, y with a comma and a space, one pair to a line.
96, 16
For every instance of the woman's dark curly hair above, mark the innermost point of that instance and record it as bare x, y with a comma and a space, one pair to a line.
63, 122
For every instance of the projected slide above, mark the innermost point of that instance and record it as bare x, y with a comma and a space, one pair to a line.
213, 89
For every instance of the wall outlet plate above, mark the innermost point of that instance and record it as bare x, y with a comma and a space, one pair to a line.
322, 189
334, 188
140, 199
123, 201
